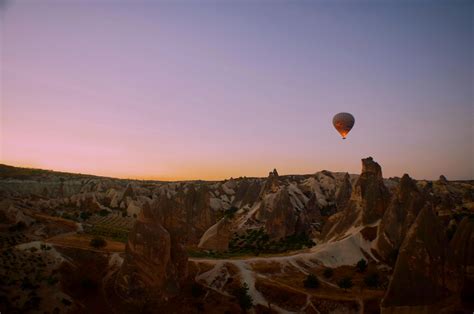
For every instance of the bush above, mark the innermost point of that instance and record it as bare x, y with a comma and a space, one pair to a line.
89, 284
361, 265
345, 283
85, 215
66, 302
197, 290
98, 242
372, 280
328, 273
19, 226
104, 213
392, 257
52, 280
450, 232
230, 212
243, 297
311, 281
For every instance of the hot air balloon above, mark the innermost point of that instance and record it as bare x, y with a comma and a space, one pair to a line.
343, 122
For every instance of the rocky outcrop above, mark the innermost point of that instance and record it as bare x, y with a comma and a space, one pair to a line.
423, 274
271, 184
367, 204
247, 193
404, 207
217, 237
343, 194
278, 215
188, 213
462, 248
155, 260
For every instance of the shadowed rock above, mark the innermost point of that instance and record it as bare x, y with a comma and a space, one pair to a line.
344, 192
404, 207
155, 262
462, 248
422, 275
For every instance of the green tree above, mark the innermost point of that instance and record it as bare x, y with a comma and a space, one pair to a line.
345, 283
104, 213
85, 215
243, 297
361, 265
328, 273
311, 282
98, 242
372, 280
197, 290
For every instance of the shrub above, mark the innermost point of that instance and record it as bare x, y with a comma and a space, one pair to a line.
243, 297
85, 215
197, 290
345, 283
392, 257
98, 242
361, 265
229, 213
311, 281
328, 273
17, 227
450, 232
88, 283
372, 280
52, 280
66, 302
104, 213
26, 284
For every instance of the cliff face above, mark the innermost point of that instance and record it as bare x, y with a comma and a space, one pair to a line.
404, 207
344, 192
279, 215
187, 213
423, 273
367, 203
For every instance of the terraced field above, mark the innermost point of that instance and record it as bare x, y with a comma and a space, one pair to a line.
113, 226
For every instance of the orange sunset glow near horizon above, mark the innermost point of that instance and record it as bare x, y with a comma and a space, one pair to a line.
205, 90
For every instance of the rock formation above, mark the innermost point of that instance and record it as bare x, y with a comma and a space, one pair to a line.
423, 274
217, 237
344, 192
404, 207
462, 248
155, 261
367, 204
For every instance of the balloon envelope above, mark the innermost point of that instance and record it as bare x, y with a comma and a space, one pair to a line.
343, 122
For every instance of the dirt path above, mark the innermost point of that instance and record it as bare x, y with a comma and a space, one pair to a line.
218, 275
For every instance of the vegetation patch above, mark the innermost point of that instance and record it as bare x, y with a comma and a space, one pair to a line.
256, 241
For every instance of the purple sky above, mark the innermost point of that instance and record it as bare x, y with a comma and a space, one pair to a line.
210, 90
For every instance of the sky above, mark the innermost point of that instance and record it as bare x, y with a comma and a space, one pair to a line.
177, 90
